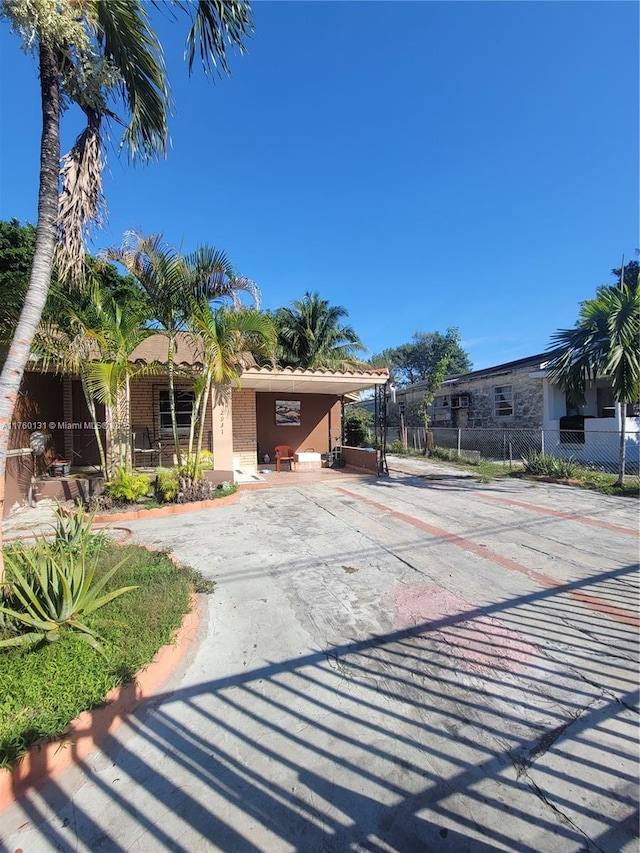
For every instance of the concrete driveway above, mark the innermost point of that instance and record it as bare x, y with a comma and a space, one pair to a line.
413, 664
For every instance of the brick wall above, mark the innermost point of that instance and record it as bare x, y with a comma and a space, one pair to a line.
67, 407
145, 412
142, 409
243, 403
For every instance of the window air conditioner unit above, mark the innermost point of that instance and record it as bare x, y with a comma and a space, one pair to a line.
461, 402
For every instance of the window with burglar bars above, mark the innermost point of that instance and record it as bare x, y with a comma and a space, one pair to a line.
503, 400
184, 408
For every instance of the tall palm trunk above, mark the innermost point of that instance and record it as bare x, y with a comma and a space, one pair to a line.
91, 405
622, 412
14, 367
196, 415
172, 398
205, 403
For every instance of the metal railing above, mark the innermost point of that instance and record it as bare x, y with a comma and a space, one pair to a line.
591, 449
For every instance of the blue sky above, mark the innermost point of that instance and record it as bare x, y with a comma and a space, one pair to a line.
424, 164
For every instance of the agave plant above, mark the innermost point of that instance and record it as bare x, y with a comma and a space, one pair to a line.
72, 529
52, 589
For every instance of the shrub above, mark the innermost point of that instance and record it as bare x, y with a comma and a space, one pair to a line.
167, 484
128, 486
356, 427
206, 459
46, 686
73, 531
201, 490
539, 463
396, 447
173, 484
189, 468
446, 454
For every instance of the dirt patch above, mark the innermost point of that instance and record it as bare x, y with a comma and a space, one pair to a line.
544, 478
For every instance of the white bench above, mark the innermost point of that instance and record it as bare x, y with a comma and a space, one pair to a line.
308, 461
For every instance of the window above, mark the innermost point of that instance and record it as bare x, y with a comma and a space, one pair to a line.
503, 400
605, 403
184, 407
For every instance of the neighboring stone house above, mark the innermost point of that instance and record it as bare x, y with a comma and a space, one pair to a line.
507, 395
519, 396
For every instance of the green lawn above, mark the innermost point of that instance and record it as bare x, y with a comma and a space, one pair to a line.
45, 687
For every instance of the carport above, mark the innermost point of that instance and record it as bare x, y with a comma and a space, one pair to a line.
299, 408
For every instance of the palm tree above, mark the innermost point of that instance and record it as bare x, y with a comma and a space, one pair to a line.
604, 342
68, 344
310, 336
97, 55
172, 283
226, 341
162, 273
118, 333
94, 340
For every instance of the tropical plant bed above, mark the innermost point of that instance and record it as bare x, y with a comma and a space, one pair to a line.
593, 481
549, 469
46, 686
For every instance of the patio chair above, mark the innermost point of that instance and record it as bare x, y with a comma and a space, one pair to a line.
142, 445
284, 453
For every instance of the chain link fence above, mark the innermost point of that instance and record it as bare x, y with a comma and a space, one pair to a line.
591, 449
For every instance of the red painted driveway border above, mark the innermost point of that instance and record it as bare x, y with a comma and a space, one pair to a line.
593, 602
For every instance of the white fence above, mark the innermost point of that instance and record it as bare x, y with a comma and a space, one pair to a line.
592, 449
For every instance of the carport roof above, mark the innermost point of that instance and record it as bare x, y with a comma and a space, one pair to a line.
290, 380
277, 379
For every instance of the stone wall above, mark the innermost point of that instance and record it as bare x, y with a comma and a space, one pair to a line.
527, 401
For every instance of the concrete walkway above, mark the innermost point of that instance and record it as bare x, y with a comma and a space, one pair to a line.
416, 663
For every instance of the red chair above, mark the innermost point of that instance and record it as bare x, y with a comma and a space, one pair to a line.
284, 453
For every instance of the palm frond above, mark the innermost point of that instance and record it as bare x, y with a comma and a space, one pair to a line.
228, 338
310, 335
216, 25
161, 272
127, 40
81, 200
604, 342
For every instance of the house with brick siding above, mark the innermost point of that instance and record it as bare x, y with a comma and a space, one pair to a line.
243, 425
